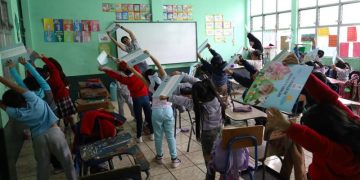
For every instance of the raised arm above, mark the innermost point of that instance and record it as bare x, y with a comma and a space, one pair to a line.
43, 84
140, 76
131, 34
12, 85
121, 46
14, 74
114, 74
162, 72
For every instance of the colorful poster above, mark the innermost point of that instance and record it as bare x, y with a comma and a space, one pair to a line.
105, 47
118, 8
278, 86
209, 25
356, 49
68, 24
94, 26
307, 37
136, 7
169, 16
77, 25
351, 34
48, 24
118, 16
125, 15
143, 7
59, 30
344, 50
209, 18
219, 32
179, 8
69, 36
131, 16
85, 25
124, 7
218, 17
332, 40
323, 31
175, 16
143, 15
130, 7
210, 32
137, 16
77, 36
86, 36
218, 25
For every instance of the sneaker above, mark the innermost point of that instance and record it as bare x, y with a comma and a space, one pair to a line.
175, 162
139, 140
152, 137
159, 159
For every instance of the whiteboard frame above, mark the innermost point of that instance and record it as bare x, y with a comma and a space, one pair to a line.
148, 60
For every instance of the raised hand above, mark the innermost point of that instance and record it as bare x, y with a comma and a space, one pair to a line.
276, 120
10, 63
22, 60
175, 73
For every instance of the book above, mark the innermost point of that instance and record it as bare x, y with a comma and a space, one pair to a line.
233, 59
135, 57
112, 28
168, 86
278, 86
281, 56
202, 46
102, 58
14, 52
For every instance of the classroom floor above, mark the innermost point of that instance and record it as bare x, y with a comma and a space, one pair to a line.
191, 168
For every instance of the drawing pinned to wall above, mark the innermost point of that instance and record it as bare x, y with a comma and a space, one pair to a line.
351, 34
356, 49
59, 30
177, 12
210, 32
94, 26
132, 12
118, 7
323, 31
344, 50
68, 30
86, 36
217, 26
49, 35
108, 7
332, 40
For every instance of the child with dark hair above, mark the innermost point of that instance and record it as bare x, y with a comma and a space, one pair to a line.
41, 88
330, 135
255, 43
66, 108
342, 70
215, 68
209, 115
138, 93
27, 108
162, 112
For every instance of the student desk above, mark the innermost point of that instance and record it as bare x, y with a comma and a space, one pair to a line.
111, 147
244, 116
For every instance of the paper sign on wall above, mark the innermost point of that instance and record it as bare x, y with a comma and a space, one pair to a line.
209, 18
284, 44
210, 32
352, 34
102, 58
344, 50
323, 31
332, 40
356, 49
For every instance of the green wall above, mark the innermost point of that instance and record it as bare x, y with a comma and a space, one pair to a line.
79, 58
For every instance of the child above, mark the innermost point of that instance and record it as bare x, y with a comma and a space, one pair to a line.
123, 96
25, 107
129, 45
330, 135
255, 43
215, 68
41, 88
209, 115
139, 94
342, 70
66, 108
162, 113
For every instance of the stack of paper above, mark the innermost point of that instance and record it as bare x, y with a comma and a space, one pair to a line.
168, 86
135, 57
14, 52
102, 58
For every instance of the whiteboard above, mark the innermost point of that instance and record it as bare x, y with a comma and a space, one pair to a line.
170, 43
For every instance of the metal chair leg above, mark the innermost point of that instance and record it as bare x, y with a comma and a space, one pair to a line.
191, 131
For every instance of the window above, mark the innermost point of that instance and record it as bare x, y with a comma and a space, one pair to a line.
272, 22
334, 24
5, 25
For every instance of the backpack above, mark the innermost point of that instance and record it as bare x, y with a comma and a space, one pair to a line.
239, 160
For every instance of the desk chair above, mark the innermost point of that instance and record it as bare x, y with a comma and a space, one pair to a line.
242, 137
133, 173
192, 130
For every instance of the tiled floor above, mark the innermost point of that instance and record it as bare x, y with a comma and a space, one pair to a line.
192, 167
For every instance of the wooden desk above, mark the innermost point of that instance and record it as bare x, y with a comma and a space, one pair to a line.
335, 81
244, 116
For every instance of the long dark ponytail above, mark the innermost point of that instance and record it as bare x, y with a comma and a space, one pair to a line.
332, 122
204, 91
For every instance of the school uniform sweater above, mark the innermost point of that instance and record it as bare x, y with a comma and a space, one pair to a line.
136, 87
57, 85
218, 75
330, 160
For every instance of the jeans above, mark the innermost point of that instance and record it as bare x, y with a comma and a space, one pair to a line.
142, 103
163, 121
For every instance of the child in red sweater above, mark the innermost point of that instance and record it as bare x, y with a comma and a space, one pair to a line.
139, 94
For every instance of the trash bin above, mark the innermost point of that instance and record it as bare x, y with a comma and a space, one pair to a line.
113, 91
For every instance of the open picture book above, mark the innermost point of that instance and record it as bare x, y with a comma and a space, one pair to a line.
168, 86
